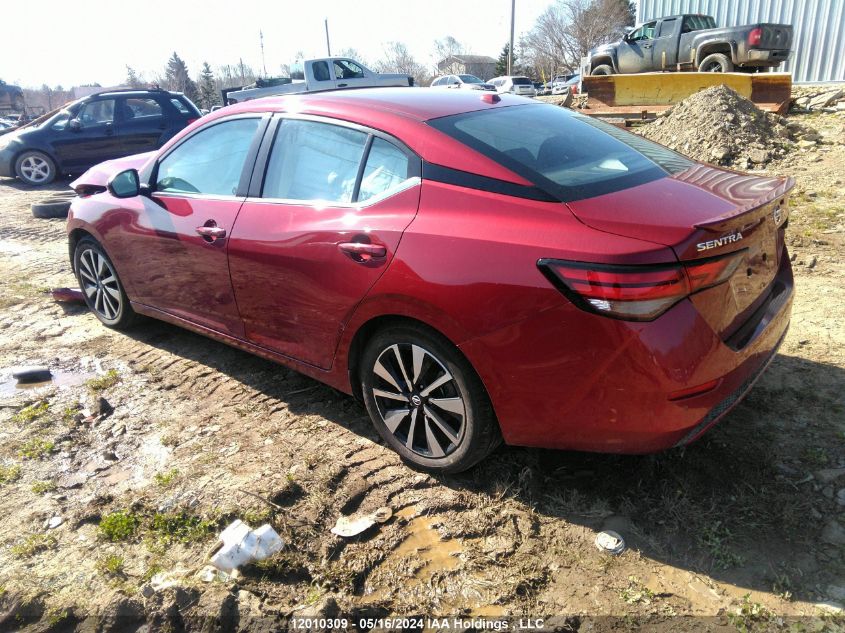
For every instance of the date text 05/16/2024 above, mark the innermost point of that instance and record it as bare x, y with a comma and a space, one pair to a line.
418, 623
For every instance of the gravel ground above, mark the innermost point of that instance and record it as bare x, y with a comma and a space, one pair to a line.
743, 527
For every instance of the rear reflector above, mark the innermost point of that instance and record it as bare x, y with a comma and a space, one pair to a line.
695, 391
635, 293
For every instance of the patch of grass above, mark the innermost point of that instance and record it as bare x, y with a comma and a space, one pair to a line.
119, 526
152, 569
716, 538
254, 518
68, 414
31, 413
173, 527
814, 456
36, 448
43, 487
33, 544
171, 440
56, 616
749, 615
110, 565
636, 592
10, 474
166, 478
109, 379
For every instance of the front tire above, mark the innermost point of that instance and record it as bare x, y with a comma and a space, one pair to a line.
604, 69
35, 168
101, 287
426, 401
716, 63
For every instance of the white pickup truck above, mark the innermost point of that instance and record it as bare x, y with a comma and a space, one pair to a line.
328, 73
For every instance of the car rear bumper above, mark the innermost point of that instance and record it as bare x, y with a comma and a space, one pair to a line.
572, 380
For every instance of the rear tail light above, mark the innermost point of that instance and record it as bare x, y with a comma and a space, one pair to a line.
754, 36
635, 293
192, 120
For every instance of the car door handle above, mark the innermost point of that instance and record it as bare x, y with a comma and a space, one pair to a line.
109, 129
646, 45
342, 85
211, 232
361, 252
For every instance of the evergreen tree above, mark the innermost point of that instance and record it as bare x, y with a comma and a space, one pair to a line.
502, 62
177, 78
208, 92
132, 79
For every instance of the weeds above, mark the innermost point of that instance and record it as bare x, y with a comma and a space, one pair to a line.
179, 527
33, 544
716, 539
749, 614
43, 487
110, 565
119, 526
109, 379
167, 478
36, 448
9, 474
636, 592
31, 413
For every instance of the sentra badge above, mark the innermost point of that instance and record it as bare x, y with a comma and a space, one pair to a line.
722, 241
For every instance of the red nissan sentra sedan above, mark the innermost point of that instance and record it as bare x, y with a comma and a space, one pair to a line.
477, 268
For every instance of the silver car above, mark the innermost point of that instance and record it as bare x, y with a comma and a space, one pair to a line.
515, 85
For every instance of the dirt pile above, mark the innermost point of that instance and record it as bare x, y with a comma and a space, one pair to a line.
719, 126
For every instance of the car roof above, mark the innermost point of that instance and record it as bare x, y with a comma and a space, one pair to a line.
410, 103
132, 92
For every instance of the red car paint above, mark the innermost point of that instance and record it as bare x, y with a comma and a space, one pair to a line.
464, 261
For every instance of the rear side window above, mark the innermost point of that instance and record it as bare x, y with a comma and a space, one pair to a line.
140, 109
180, 106
386, 168
568, 155
210, 161
698, 23
314, 161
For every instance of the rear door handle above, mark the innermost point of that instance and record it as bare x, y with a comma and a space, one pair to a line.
211, 232
362, 252
342, 85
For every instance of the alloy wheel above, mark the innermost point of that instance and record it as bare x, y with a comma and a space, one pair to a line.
419, 400
99, 283
35, 169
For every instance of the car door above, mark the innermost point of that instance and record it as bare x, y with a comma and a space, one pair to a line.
313, 239
323, 79
90, 138
634, 53
665, 50
174, 240
142, 124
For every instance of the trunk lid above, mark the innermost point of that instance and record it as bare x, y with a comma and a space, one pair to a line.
700, 213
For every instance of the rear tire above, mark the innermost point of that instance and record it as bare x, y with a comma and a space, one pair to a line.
447, 429
716, 63
101, 287
35, 168
603, 69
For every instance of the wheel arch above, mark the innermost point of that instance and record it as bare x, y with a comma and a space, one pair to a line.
73, 238
723, 47
43, 150
600, 60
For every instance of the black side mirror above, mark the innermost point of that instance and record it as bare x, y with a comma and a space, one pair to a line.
126, 184
74, 125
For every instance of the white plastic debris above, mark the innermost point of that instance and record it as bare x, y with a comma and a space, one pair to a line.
54, 522
610, 542
242, 545
348, 526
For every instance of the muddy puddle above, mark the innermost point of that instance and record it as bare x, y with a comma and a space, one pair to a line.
11, 386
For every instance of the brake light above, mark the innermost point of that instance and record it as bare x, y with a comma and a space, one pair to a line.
754, 36
635, 293
192, 120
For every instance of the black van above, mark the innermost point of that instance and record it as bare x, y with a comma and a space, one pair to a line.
95, 128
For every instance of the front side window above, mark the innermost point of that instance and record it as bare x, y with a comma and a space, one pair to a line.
386, 168
210, 161
571, 156
345, 69
645, 32
314, 161
59, 123
97, 112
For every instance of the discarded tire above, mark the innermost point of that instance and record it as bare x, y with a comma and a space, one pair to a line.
50, 209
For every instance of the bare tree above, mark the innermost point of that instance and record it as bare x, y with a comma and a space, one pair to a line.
568, 29
397, 59
445, 48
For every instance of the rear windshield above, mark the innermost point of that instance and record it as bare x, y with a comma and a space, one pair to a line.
522, 81
568, 155
470, 79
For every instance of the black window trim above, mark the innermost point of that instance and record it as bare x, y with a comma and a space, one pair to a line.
263, 159
150, 175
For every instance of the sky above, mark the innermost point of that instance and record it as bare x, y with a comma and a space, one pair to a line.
91, 41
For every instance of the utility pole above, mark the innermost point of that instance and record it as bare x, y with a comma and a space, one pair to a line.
510, 46
263, 61
328, 46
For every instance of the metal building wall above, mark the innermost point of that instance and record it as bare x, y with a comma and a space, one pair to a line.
818, 28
